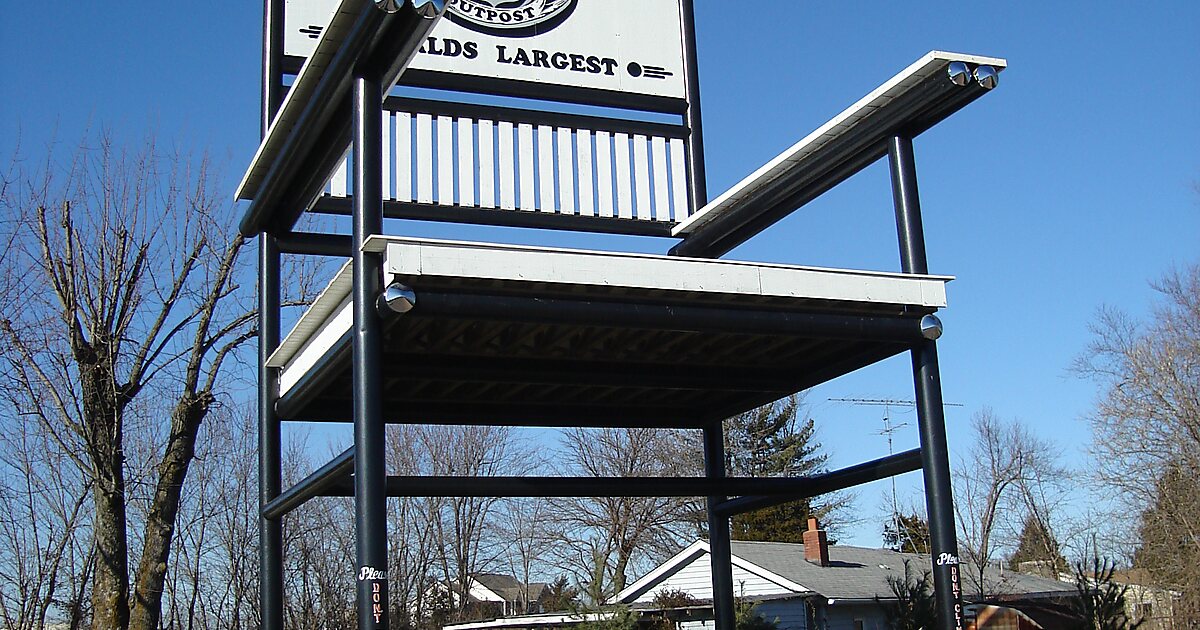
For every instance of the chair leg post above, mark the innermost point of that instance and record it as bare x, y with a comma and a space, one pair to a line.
370, 471
720, 553
935, 458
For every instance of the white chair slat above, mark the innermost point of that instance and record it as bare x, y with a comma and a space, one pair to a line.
445, 161
583, 153
604, 173
525, 161
487, 161
679, 189
466, 162
386, 139
661, 187
337, 183
545, 165
508, 169
641, 175
425, 162
404, 157
566, 171
623, 173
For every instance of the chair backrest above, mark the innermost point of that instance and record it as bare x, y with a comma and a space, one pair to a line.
632, 163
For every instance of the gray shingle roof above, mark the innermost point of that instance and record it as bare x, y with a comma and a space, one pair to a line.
861, 573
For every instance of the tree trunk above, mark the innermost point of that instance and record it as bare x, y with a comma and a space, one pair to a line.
110, 583
151, 574
103, 411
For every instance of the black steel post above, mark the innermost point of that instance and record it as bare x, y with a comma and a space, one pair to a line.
907, 201
272, 61
270, 531
719, 551
696, 177
370, 473
935, 457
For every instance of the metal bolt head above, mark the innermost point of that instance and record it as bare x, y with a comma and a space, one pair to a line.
987, 77
390, 6
398, 298
960, 73
931, 327
429, 9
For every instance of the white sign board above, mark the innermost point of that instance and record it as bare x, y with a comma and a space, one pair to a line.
631, 46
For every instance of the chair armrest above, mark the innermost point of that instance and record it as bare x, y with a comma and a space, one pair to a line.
914, 100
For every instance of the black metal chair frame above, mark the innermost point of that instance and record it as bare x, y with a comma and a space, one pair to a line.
344, 108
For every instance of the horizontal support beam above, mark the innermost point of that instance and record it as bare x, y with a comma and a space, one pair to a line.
479, 369
817, 485
510, 414
330, 476
340, 206
780, 489
646, 316
315, 244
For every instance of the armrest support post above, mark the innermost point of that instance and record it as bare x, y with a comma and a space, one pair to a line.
907, 201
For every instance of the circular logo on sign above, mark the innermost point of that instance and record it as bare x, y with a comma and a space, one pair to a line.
510, 18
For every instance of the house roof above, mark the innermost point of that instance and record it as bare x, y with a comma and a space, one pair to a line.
861, 573
507, 586
854, 573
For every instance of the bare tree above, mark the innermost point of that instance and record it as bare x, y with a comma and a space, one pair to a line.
528, 535
464, 526
994, 484
607, 539
122, 281
1146, 427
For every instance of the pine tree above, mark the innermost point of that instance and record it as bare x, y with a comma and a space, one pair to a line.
913, 607
1100, 604
771, 442
1037, 545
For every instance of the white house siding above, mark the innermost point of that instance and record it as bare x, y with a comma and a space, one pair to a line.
696, 580
843, 616
790, 613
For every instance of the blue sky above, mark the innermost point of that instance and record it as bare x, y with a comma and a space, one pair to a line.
1070, 186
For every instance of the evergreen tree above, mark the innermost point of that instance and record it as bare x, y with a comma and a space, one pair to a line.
912, 537
771, 442
1100, 604
1037, 545
913, 607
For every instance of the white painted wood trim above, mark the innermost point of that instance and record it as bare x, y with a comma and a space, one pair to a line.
515, 263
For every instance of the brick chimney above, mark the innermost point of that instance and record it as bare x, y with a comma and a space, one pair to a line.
816, 545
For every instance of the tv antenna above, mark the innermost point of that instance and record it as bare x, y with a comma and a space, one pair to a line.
889, 429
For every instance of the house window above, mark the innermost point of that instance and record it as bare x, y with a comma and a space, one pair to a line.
858, 624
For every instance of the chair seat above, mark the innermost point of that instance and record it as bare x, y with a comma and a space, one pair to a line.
507, 334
